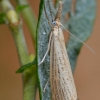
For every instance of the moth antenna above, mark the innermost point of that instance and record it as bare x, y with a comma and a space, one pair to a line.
50, 10
79, 40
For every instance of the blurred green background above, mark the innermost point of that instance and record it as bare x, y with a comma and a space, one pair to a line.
86, 74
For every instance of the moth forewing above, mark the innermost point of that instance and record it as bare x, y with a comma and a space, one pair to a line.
61, 78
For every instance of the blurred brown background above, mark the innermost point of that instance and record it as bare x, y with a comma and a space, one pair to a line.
87, 73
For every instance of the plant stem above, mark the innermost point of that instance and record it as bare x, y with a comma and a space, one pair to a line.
14, 23
29, 18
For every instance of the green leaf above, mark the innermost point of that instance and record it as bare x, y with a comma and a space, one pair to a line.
19, 8
79, 24
25, 67
2, 15
43, 31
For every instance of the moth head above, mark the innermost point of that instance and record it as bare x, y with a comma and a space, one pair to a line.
54, 23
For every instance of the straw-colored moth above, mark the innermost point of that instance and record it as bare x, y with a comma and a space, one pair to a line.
61, 78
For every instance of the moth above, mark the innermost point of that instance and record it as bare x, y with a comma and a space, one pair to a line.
61, 78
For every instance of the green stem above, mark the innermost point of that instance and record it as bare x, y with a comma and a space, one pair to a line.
29, 18
14, 23
29, 76
20, 43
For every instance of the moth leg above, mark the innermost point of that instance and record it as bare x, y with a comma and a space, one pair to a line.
45, 85
49, 38
44, 56
47, 50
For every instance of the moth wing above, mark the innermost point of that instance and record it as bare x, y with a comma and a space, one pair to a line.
61, 78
